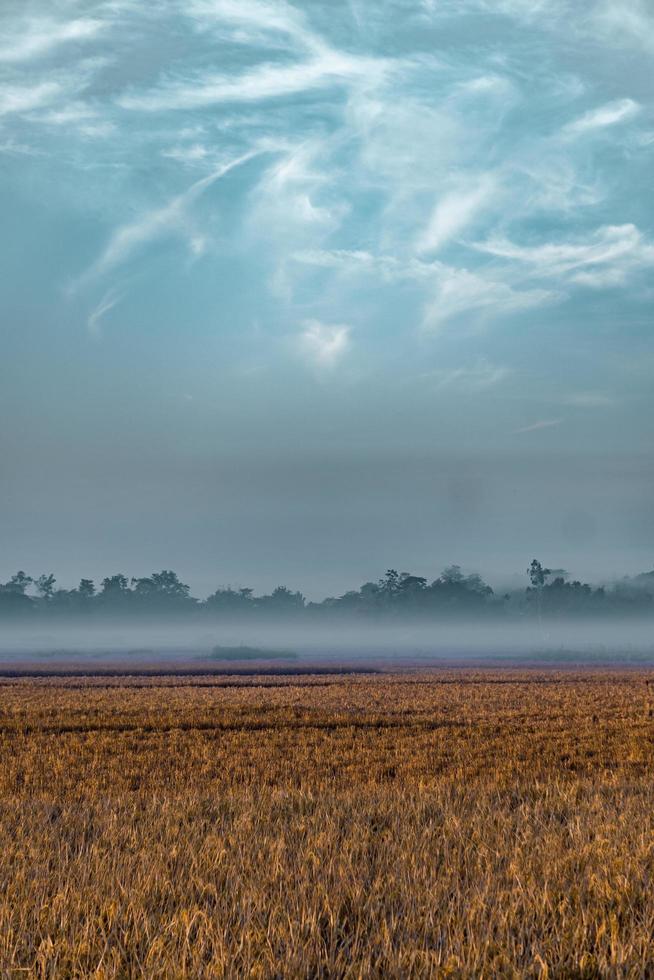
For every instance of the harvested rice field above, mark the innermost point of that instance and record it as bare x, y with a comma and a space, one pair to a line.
436, 823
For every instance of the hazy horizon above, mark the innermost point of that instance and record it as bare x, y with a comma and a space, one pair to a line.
417, 515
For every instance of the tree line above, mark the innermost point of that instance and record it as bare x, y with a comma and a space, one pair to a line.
547, 593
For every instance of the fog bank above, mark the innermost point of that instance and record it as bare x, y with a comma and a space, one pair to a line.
158, 644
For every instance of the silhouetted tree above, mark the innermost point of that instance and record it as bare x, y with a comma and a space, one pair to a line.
86, 588
161, 585
389, 586
538, 576
114, 585
560, 597
452, 575
411, 592
459, 593
161, 589
231, 602
13, 600
282, 600
115, 594
18, 583
409, 584
45, 586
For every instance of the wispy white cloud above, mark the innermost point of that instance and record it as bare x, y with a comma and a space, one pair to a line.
406, 146
536, 426
324, 344
297, 200
461, 292
452, 291
605, 257
433, 171
266, 81
297, 195
75, 115
192, 155
360, 262
14, 148
488, 84
257, 22
619, 111
520, 9
611, 21
549, 181
51, 91
479, 375
97, 130
72, 112
313, 64
644, 138
455, 211
171, 218
40, 36
23, 98
629, 21
523, 9
106, 304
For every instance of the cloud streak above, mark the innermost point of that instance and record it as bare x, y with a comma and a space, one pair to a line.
255, 22
169, 219
460, 292
475, 377
605, 257
268, 81
106, 304
24, 98
537, 426
455, 211
603, 117
39, 37
453, 291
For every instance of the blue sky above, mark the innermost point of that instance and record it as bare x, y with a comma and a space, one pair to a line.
306, 290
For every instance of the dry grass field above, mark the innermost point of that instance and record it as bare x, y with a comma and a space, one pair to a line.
444, 823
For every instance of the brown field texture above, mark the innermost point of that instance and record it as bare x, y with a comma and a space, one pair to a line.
446, 823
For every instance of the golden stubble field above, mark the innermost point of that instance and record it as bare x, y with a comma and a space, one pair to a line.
445, 823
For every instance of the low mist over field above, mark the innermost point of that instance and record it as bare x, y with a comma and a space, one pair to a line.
401, 619
282, 646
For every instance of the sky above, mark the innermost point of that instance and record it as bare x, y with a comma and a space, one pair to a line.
297, 292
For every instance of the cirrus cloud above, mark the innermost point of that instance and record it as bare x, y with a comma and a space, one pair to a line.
324, 344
